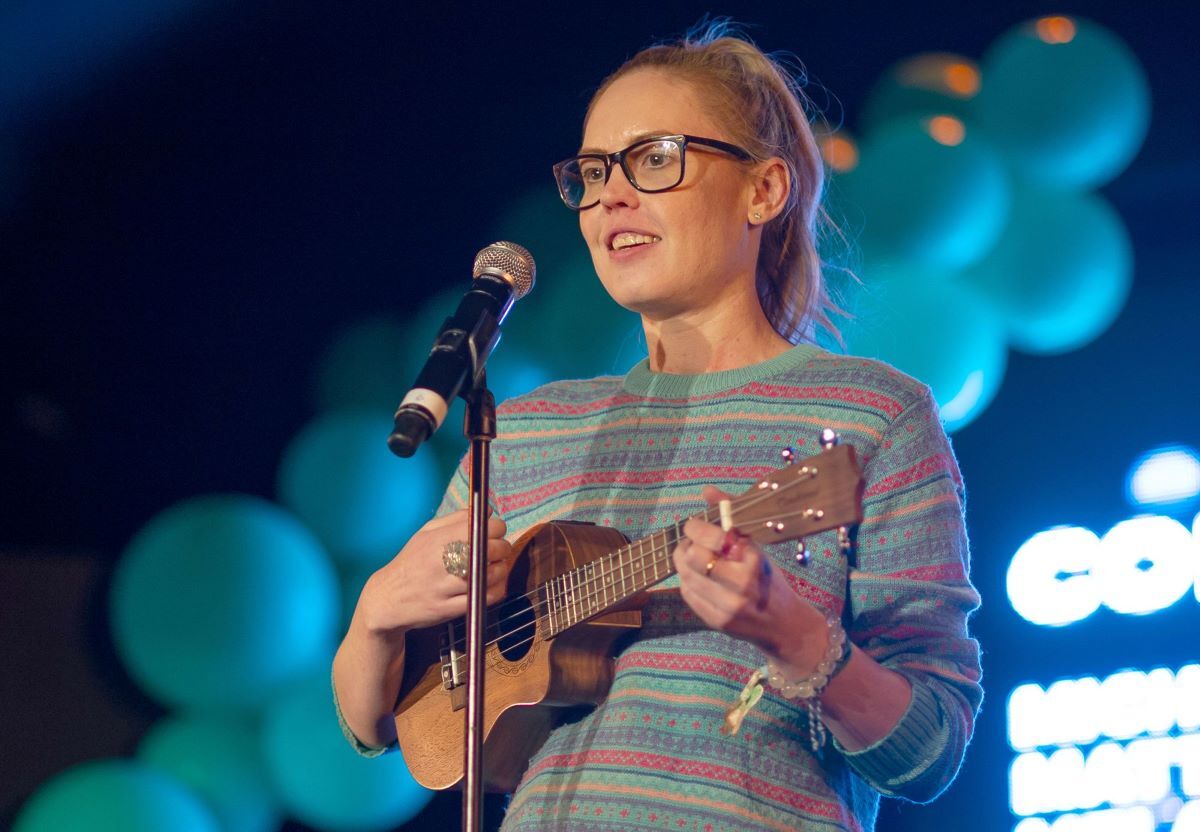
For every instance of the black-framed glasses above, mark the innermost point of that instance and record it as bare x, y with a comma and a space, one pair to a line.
651, 165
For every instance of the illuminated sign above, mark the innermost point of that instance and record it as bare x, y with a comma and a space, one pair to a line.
1164, 476
1114, 745
1141, 565
1115, 753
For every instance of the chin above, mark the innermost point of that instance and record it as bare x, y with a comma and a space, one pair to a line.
634, 292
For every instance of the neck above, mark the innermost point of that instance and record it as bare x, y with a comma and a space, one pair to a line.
724, 337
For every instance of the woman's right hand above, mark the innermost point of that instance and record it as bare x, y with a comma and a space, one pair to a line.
414, 590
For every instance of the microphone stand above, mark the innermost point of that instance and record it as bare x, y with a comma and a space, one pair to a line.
480, 427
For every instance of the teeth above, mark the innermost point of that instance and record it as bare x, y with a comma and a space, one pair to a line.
627, 238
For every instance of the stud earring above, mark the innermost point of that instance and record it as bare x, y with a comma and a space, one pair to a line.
757, 216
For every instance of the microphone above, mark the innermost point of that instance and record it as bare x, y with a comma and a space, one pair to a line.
503, 273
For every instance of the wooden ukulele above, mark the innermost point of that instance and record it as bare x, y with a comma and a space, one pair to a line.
574, 590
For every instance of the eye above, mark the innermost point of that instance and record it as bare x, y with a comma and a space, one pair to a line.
591, 171
657, 155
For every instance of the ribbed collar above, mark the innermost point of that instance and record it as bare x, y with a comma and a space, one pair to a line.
641, 381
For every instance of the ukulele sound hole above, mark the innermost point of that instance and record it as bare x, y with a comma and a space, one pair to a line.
517, 626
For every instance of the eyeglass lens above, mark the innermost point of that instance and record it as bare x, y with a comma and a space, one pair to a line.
654, 165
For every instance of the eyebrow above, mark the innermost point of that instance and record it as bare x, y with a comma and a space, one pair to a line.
646, 134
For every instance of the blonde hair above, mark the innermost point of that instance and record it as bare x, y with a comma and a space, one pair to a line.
764, 109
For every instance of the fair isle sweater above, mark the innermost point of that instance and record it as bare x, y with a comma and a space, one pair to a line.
634, 453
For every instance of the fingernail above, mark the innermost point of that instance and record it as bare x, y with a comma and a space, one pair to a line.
732, 545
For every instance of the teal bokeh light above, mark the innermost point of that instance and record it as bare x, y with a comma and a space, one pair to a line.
1065, 101
1060, 273
924, 201
219, 759
339, 477
932, 83
934, 330
370, 365
320, 779
114, 796
221, 600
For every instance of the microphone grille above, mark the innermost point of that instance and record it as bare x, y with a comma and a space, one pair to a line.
511, 263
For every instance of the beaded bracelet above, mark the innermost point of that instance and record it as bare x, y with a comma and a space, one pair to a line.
808, 689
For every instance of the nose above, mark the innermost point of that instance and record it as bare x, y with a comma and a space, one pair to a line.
618, 190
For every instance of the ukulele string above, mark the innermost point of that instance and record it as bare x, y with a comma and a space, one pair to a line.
534, 623
746, 501
545, 616
616, 563
641, 567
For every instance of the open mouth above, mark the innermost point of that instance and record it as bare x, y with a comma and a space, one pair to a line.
629, 239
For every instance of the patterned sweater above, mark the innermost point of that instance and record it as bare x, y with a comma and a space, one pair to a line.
633, 453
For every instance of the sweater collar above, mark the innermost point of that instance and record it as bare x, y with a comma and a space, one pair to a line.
642, 381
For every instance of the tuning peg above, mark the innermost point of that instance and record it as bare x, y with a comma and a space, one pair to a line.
789, 455
829, 438
844, 544
802, 553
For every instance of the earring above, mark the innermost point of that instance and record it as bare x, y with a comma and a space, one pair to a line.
757, 216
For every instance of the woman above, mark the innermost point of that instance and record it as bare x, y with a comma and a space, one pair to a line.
698, 194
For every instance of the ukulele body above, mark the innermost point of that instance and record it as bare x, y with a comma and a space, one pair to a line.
526, 685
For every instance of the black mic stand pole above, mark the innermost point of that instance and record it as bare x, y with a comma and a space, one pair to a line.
480, 427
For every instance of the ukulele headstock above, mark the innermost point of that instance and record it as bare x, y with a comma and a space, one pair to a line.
803, 498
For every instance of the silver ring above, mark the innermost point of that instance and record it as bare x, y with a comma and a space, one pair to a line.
454, 558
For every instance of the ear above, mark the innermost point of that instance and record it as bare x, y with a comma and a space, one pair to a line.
771, 183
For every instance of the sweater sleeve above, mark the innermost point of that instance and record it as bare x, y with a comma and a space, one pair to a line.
362, 748
910, 597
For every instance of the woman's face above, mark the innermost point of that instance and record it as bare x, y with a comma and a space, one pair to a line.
681, 251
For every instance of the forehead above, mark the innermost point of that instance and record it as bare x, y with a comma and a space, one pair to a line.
647, 102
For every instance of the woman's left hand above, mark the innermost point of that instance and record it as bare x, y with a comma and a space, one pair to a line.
732, 586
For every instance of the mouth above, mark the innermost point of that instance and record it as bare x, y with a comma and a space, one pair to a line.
622, 240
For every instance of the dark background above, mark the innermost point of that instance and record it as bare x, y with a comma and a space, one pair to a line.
188, 217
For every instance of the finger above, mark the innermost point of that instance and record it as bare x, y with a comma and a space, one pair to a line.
497, 571
497, 581
499, 551
713, 495
753, 578
733, 545
456, 588
764, 584
462, 518
705, 534
453, 584
704, 597
496, 528
691, 573
691, 557
746, 574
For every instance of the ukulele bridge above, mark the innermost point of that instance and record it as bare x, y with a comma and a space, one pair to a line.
454, 672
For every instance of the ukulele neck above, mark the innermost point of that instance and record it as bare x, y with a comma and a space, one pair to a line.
596, 586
